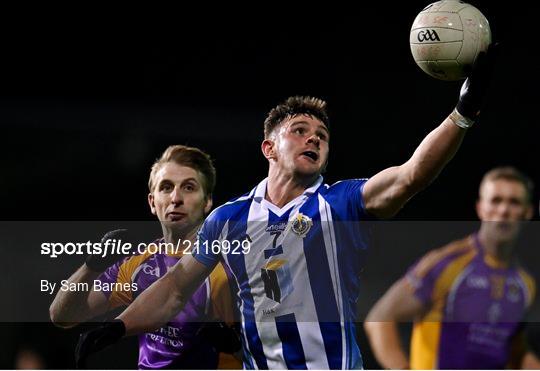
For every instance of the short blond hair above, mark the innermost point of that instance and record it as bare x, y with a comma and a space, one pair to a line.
187, 156
512, 174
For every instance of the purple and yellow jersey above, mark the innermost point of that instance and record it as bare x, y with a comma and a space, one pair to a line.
175, 345
475, 308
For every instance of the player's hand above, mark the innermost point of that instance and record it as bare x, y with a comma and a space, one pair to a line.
98, 262
474, 89
95, 340
224, 338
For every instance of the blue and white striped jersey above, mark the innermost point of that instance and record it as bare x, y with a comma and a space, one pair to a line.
298, 284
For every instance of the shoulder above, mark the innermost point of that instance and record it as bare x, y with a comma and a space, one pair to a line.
442, 257
435, 273
342, 186
234, 210
529, 282
218, 277
526, 276
346, 199
231, 208
132, 263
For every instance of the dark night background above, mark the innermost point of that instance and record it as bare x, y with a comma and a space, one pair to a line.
90, 99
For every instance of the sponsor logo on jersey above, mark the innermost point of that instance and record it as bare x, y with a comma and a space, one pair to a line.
277, 280
477, 282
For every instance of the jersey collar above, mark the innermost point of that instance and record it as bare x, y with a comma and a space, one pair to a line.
260, 193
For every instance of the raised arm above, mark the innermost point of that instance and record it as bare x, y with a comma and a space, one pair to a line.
387, 192
165, 297
381, 325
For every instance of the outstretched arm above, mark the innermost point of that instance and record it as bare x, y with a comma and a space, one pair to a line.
165, 297
388, 191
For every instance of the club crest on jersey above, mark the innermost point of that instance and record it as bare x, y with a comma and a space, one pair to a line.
513, 292
301, 225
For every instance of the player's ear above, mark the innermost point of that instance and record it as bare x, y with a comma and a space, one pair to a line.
208, 205
151, 203
268, 149
479, 208
529, 213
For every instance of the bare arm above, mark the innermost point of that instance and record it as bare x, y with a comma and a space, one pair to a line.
72, 307
381, 328
387, 192
165, 297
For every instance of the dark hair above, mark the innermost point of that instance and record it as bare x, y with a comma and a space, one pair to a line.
294, 106
191, 157
510, 173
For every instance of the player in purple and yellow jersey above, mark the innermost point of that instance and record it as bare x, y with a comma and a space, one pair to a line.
181, 185
467, 298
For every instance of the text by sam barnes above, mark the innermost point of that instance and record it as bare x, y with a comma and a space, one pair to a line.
96, 285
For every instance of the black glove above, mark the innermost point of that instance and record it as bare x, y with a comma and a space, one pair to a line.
474, 89
224, 338
99, 263
95, 340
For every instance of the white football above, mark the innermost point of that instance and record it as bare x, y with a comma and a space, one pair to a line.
446, 38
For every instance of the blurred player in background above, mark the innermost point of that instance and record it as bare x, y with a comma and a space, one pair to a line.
181, 185
299, 281
468, 297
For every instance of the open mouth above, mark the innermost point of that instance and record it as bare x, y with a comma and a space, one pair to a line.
311, 154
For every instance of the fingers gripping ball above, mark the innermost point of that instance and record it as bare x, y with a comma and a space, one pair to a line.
446, 38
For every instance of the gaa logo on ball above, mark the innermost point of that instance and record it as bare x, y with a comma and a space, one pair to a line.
447, 36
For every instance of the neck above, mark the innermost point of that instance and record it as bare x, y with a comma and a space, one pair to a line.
497, 249
171, 235
283, 188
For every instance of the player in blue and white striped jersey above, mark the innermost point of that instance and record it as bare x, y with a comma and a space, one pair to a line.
298, 282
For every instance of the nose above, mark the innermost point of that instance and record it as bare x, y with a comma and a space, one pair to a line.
503, 210
177, 197
314, 138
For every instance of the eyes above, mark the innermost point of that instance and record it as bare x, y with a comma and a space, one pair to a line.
511, 201
303, 131
168, 186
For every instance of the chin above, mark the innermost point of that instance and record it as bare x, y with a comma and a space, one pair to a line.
307, 172
177, 225
507, 235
